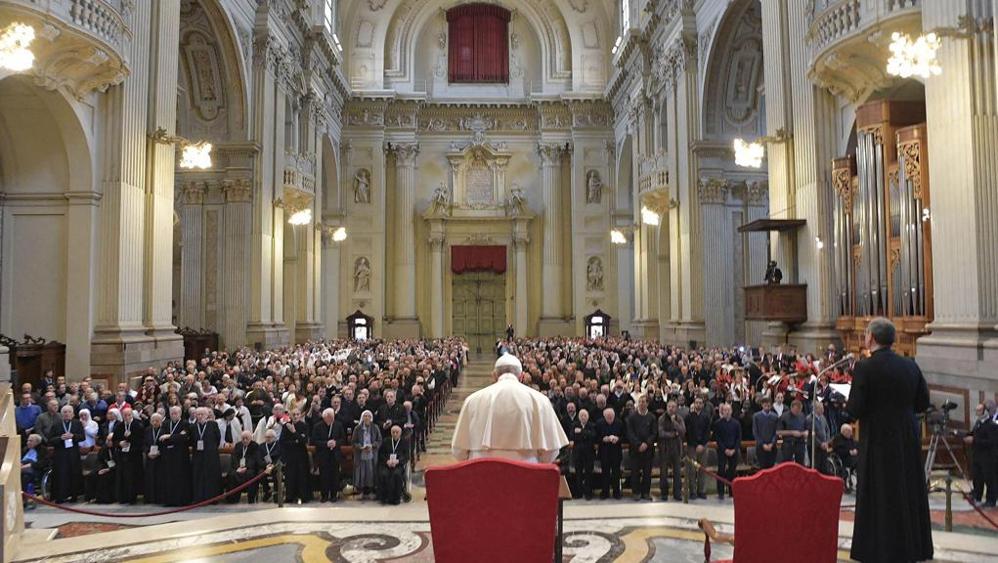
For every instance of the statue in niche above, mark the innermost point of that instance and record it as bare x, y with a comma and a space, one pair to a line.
441, 199
361, 275
594, 274
517, 201
594, 187
362, 186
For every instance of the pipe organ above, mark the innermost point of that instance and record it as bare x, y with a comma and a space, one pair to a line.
883, 257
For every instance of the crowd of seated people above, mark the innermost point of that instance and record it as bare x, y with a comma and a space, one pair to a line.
188, 432
662, 404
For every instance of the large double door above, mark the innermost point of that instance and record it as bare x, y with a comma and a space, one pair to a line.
479, 309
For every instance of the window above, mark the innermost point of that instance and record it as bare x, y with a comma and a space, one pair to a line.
329, 16
478, 50
625, 16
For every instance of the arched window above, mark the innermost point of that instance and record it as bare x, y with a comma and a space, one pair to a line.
479, 43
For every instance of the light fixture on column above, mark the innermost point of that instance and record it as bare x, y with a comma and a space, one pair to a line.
926, 215
617, 237
750, 154
301, 217
340, 234
650, 217
15, 54
818, 243
193, 154
914, 58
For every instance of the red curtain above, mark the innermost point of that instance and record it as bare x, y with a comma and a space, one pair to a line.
478, 49
478, 259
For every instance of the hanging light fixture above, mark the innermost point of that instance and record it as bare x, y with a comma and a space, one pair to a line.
340, 234
914, 58
617, 237
303, 217
750, 154
650, 217
15, 40
196, 155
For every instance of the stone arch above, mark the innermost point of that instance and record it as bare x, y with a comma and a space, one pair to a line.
211, 75
732, 104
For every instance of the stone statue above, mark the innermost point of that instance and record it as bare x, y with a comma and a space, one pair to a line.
362, 186
361, 275
441, 199
594, 187
517, 201
594, 274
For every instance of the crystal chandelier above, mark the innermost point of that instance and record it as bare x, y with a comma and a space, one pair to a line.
303, 217
196, 155
749, 154
15, 56
914, 58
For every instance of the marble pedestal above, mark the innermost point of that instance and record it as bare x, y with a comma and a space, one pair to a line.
961, 357
118, 356
267, 336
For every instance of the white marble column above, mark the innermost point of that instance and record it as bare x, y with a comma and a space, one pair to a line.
436, 285
83, 210
331, 283
191, 311
405, 246
645, 323
521, 295
551, 272
235, 261
626, 284
962, 121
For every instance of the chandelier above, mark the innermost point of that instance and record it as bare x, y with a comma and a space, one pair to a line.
15, 40
196, 155
914, 58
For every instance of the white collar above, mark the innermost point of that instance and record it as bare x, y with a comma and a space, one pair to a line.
509, 377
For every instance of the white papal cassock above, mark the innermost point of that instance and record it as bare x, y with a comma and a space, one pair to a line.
509, 420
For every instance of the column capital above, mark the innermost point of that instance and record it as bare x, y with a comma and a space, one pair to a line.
238, 190
436, 242
405, 153
551, 153
192, 193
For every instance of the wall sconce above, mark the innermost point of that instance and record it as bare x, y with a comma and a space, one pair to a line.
818, 243
926, 215
340, 234
15, 40
750, 154
650, 217
617, 237
193, 154
301, 217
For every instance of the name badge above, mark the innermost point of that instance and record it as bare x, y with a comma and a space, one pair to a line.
242, 462
200, 445
127, 447
110, 464
68, 443
392, 458
267, 459
153, 450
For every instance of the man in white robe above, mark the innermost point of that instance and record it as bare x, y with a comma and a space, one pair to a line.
508, 420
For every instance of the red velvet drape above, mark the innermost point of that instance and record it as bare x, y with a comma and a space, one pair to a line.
479, 43
478, 259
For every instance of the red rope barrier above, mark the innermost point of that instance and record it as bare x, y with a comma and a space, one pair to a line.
212, 500
970, 500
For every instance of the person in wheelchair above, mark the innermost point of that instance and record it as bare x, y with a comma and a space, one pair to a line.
845, 451
34, 464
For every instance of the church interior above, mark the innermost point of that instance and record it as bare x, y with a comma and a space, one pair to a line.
206, 202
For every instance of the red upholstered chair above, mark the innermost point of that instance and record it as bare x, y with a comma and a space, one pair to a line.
498, 510
785, 514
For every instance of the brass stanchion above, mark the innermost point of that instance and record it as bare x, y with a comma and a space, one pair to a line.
949, 502
279, 483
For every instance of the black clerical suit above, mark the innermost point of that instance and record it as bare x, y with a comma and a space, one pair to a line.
67, 469
671, 432
175, 448
642, 429
294, 448
728, 436
388, 416
245, 466
268, 455
391, 480
892, 505
157, 480
610, 454
206, 466
100, 484
327, 457
583, 437
984, 464
127, 453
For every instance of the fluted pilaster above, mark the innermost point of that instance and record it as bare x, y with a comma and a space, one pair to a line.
191, 313
436, 285
551, 272
520, 297
405, 247
235, 261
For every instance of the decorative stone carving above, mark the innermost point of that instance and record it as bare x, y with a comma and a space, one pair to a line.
594, 274
842, 183
192, 193
376, 5
594, 187
712, 190
405, 153
911, 155
440, 204
517, 201
757, 193
362, 275
362, 186
579, 5
551, 153
237, 191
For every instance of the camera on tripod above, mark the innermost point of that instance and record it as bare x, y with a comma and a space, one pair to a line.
937, 418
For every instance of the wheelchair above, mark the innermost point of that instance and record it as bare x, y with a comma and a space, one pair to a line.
834, 466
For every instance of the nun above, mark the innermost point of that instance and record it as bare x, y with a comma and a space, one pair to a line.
366, 443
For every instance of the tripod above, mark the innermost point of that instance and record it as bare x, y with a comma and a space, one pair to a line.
938, 435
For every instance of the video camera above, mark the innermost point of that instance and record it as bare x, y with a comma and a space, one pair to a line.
937, 418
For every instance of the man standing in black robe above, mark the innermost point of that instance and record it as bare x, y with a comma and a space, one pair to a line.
126, 440
892, 505
294, 447
327, 436
174, 444
392, 459
155, 470
206, 467
67, 469
245, 466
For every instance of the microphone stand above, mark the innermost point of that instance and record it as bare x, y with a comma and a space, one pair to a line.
814, 402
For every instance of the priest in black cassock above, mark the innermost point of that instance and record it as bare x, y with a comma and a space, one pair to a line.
156, 477
327, 436
175, 445
126, 441
67, 469
245, 466
294, 448
392, 459
206, 467
102, 481
892, 504
268, 455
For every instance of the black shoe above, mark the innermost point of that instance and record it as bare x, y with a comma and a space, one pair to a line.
701, 496
677, 497
604, 496
989, 504
617, 495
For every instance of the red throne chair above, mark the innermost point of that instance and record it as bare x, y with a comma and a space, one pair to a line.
785, 514
493, 510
